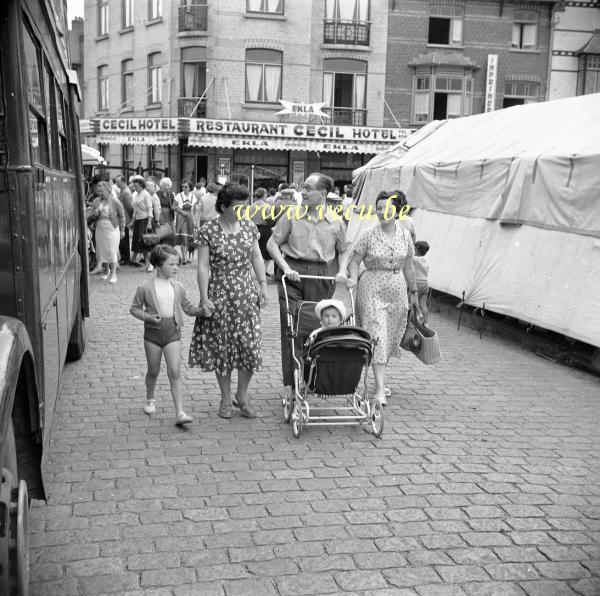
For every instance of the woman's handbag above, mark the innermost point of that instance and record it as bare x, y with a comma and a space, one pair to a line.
419, 339
162, 233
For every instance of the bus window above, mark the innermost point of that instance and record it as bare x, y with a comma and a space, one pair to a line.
37, 113
50, 115
62, 131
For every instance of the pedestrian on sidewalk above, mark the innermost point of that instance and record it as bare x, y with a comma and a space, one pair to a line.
230, 337
109, 217
160, 303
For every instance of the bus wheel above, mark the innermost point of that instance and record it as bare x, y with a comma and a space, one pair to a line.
14, 525
77, 340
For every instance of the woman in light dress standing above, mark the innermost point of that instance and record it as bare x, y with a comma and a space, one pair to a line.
382, 300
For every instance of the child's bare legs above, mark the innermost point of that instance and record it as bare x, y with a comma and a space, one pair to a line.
172, 354
153, 358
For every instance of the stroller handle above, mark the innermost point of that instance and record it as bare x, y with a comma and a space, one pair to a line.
351, 318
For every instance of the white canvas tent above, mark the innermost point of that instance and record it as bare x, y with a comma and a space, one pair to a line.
510, 203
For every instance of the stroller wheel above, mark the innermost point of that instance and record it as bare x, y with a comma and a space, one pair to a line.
288, 405
297, 419
377, 419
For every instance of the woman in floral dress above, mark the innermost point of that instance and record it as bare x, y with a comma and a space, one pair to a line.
381, 299
230, 337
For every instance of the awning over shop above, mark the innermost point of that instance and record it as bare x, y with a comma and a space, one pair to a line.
301, 144
133, 138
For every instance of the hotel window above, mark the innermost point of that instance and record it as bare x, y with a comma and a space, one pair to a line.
445, 26
154, 9
266, 6
438, 97
346, 22
154, 78
525, 30
589, 74
103, 17
103, 88
193, 83
263, 75
347, 10
127, 14
344, 90
126, 84
518, 93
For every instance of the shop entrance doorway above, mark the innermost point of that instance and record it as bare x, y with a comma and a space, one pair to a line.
194, 167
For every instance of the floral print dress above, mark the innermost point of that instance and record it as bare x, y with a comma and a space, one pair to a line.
381, 297
230, 339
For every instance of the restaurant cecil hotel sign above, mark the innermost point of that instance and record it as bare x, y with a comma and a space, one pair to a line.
242, 133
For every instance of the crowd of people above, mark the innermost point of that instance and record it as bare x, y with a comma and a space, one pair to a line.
386, 266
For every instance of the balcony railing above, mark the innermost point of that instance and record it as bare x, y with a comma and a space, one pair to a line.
348, 116
188, 107
346, 32
193, 17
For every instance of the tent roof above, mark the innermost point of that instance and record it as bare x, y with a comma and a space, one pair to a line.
563, 127
536, 164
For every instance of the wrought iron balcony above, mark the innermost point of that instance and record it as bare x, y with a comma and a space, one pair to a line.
347, 116
191, 107
346, 32
193, 17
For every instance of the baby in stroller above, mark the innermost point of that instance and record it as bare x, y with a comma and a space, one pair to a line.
331, 313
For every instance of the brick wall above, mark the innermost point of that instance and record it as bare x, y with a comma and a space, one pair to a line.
487, 29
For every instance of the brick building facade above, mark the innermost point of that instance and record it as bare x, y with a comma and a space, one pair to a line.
438, 55
575, 51
189, 87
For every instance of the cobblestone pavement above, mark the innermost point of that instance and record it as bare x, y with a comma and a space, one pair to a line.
486, 480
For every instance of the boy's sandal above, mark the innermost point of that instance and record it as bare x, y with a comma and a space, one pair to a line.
225, 411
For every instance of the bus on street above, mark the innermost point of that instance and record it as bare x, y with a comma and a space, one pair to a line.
43, 257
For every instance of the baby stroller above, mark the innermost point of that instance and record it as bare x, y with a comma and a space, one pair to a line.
329, 370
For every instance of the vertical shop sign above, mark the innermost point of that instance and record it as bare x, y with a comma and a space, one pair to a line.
490, 83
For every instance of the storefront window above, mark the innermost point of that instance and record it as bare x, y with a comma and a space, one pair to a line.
270, 167
340, 166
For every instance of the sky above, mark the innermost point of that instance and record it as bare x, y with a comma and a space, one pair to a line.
74, 9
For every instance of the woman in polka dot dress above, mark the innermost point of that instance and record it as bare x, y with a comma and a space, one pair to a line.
230, 338
381, 299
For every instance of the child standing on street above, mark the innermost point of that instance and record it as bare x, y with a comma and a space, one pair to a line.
422, 276
160, 303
